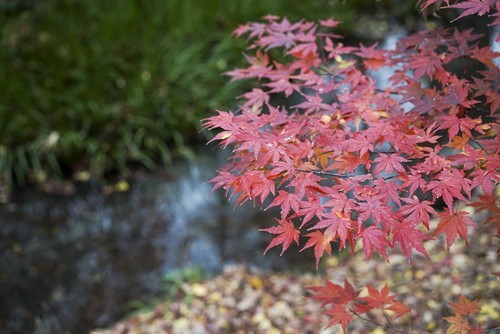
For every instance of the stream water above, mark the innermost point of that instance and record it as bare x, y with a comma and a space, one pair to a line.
72, 263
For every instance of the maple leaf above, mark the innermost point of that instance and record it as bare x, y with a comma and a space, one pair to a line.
418, 211
487, 178
375, 299
449, 185
493, 99
426, 3
414, 180
309, 209
340, 202
389, 163
337, 225
287, 233
428, 135
485, 55
334, 294
453, 224
283, 85
458, 325
409, 237
372, 58
255, 100
457, 94
453, 124
479, 7
321, 242
374, 237
399, 308
428, 64
286, 200
339, 315
262, 187
326, 295
491, 204
329, 23
459, 142
390, 188
465, 306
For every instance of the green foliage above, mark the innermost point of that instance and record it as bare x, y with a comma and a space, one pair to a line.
89, 87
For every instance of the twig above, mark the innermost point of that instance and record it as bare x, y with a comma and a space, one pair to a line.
377, 324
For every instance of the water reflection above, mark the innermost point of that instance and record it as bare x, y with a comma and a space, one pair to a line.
73, 263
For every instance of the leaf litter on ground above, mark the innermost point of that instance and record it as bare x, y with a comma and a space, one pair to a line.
250, 300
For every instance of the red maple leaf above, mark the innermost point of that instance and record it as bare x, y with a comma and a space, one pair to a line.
374, 238
465, 306
287, 233
471, 7
453, 224
399, 308
286, 200
334, 294
310, 209
328, 294
409, 237
375, 299
321, 242
485, 55
449, 185
493, 99
389, 163
372, 58
418, 211
415, 181
491, 204
255, 100
337, 225
428, 64
454, 124
339, 315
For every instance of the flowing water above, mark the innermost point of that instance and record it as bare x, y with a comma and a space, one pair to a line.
72, 263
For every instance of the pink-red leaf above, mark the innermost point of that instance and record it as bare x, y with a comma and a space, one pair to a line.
339, 315
409, 237
471, 7
374, 238
452, 224
321, 242
287, 233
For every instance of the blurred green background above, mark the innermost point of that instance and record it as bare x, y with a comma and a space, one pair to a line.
92, 88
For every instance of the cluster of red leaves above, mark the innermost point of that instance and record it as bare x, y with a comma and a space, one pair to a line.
349, 162
459, 322
344, 302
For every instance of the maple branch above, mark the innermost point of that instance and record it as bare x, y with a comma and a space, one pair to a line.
390, 91
377, 324
387, 319
318, 172
411, 322
491, 330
